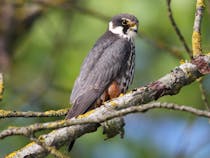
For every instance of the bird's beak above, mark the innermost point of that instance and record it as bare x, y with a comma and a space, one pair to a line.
133, 25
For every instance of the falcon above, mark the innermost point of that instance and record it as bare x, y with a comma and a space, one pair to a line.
108, 69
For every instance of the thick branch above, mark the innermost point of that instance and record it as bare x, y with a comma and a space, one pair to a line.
50, 149
28, 130
170, 84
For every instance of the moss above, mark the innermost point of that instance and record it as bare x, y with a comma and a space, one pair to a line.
113, 103
86, 114
200, 3
196, 43
14, 154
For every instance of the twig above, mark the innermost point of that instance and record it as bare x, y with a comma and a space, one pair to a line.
50, 113
203, 94
177, 30
158, 44
162, 46
196, 36
1, 86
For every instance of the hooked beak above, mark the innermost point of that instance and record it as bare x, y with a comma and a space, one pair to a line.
133, 25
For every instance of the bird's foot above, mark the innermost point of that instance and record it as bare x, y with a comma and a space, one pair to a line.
121, 94
86, 114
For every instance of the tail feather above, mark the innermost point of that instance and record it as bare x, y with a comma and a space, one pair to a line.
70, 115
82, 105
71, 144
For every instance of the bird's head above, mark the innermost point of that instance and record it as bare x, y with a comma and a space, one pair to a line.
124, 25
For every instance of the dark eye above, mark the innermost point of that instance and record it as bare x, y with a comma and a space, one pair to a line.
124, 22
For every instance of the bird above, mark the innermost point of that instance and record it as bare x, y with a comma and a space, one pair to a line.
108, 69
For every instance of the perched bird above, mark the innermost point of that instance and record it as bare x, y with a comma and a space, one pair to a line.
108, 69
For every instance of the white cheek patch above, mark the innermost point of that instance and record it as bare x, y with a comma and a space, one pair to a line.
117, 30
130, 34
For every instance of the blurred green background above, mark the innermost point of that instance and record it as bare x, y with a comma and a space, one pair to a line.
44, 59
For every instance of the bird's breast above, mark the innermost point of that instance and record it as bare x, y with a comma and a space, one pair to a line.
127, 74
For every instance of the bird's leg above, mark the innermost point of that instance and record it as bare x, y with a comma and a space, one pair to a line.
114, 90
114, 126
86, 114
104, 97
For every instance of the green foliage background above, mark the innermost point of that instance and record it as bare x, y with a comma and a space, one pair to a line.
47, 61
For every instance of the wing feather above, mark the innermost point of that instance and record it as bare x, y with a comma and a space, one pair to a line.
104, 62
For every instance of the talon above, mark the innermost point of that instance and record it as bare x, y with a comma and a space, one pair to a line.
121, 94
113, 103
86, 114
182, 61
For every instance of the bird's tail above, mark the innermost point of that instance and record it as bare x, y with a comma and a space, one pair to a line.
71, 144
69, 116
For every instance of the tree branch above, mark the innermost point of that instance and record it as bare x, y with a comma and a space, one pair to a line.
203, 94
156, 43
177, 30
50, 113
169, 84
1, 86
196, 43
50, 149
196, 36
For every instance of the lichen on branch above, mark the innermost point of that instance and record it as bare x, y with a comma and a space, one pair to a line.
170, 84
1, 86
196, 36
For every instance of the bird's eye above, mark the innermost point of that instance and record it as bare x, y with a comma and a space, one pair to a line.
124, 22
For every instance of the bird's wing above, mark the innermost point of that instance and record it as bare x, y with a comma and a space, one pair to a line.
99, 69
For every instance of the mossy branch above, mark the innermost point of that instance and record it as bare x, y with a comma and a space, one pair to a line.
1, 86
196, 36
50, 113
131, 102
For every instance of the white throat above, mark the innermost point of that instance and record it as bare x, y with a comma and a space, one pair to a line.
130, 34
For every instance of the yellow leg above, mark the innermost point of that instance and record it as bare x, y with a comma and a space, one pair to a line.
86, 114
121, 94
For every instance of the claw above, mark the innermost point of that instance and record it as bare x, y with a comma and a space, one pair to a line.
86, 114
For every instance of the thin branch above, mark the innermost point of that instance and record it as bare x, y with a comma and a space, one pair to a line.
50, 113
1, 86
31, 129
71, 5
162, 46
177, 30
196, 36
169, 84
122, 112
203, 94
158, 44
